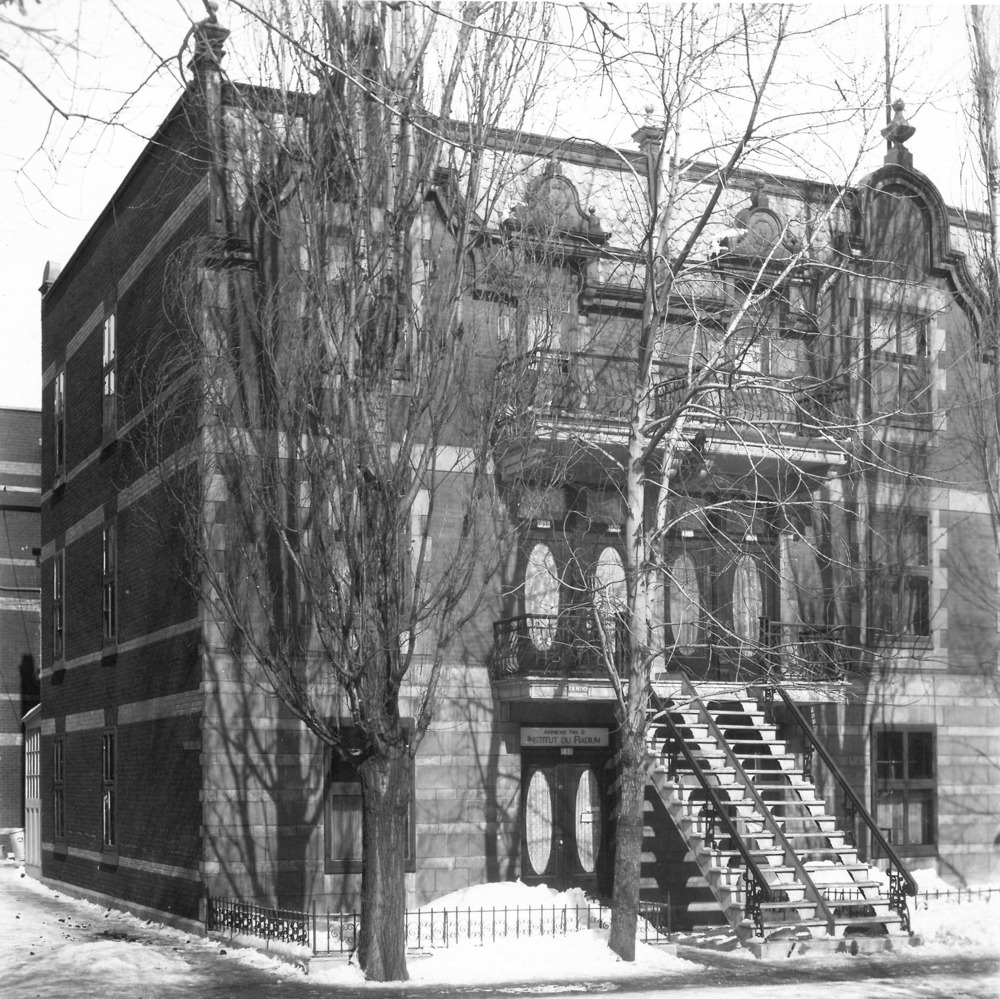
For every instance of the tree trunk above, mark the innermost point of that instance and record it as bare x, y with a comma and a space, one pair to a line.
628, 846
385, 794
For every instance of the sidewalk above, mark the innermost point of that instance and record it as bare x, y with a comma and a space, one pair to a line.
53, 945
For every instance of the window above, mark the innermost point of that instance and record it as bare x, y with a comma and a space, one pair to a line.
109, 580
899, 575
59, 425
58, 605
109, 802
905, 788
900, 373
343, 820
59, 788
109, 391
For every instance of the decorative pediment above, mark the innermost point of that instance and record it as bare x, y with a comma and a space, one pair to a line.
552, 208
763, 234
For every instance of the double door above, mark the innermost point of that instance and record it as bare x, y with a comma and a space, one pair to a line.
564, 835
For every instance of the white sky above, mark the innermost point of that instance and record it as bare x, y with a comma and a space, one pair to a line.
56, 175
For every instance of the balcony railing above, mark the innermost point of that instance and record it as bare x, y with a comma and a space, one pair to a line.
565, 645
599, 389
568, 645
807, 651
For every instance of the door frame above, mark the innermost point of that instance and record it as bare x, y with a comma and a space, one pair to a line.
596, 883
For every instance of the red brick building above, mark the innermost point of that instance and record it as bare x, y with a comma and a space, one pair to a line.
165, 775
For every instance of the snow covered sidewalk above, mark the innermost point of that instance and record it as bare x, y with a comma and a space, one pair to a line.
53, 946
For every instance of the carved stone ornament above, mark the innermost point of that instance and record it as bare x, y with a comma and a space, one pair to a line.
552, 205
764, 234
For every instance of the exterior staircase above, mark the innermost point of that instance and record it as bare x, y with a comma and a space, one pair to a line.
782, 872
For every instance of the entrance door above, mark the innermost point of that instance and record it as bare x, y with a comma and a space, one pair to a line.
563, 822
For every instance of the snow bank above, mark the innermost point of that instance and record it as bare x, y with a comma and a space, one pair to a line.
114, 961
570, 954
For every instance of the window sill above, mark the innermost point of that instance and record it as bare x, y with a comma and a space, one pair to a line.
909, 643
354, 866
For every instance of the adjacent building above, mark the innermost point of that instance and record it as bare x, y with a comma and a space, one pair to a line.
20, 601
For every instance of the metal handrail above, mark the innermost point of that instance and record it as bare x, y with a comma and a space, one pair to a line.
730, 826
909, 884
790, 855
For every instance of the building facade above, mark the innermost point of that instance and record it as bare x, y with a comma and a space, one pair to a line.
825, 532
20, 600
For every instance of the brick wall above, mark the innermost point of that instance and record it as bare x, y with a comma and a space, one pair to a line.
144, 682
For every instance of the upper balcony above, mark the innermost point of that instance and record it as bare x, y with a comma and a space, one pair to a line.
576, 406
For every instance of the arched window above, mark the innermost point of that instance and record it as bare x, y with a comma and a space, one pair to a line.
685, 604
541, 596
610, 592
748, 599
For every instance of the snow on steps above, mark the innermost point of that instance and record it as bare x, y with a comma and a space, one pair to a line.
815, 875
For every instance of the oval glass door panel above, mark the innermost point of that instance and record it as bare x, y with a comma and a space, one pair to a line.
685, 604
538, 821
541, 596
748, 600
587, 810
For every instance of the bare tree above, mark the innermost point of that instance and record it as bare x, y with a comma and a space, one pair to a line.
344, 516
980, 368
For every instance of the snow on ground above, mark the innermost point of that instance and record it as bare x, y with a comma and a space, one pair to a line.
577, 955
71, 941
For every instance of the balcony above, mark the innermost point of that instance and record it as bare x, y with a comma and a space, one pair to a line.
561, 400
538, 655
549, 655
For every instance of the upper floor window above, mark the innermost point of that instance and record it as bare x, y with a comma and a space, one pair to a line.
59, 423
899, 574
58, 605
109, 390
109, 579
900, 374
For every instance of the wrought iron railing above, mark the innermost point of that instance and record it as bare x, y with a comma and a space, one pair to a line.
430, 928
757, 889
807, 651
587, 386
251, 919
901, 882
567, 644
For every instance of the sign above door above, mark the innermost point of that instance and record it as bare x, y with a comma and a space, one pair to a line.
558, 736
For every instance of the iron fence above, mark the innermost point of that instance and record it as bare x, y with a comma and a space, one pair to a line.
240, 917
426, 929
